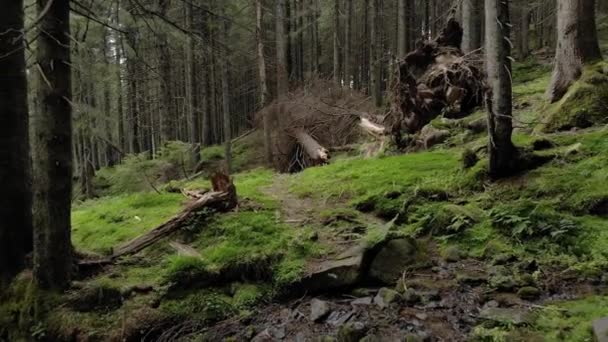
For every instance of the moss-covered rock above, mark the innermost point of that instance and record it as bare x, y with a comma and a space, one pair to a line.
584, 104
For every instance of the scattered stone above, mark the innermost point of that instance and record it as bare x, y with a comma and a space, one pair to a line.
452, 254
471, 278
600, 330
504, 258
503, 282
352, 332
270, 335
574, 149
338, 318
422, 316
478, 126
528, 293
512, 316
338, 273
385, 297
370, 338
420, 337
393, 259
362, 301
362, 292
411, 297
319, 309
430, 296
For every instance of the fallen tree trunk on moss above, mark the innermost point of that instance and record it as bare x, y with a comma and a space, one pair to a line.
314, 150
222, 198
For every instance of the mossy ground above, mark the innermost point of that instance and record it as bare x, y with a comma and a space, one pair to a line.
543, 215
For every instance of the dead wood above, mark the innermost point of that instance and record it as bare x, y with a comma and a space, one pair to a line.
435, 79
223, 198
313, 149
371, 128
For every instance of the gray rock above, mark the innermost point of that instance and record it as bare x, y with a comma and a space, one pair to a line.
385, 297
371, 338
362, 301
332, 274
600, 330
452, 254
319, 309
513, 316
503, 282
338, 318
352, 332
270, 335
471, 278
411, 296
528, 292
394, 257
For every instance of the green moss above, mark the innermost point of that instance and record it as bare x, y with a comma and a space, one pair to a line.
99, 225
205, 306
571, 320
247, 295
584, 104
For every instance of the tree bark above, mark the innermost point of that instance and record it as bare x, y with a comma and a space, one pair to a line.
191, 88
52, 150
16, 202
402, 28
166, 112
262, 74
577, 44
348, 27
471, 24
226, 96
337, 71
376, 52
282, 76
502, 153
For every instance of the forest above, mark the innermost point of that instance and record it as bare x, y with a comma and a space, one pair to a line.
304, 170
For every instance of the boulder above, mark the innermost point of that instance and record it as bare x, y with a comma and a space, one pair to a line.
392, 259
529, 293
507, 316
386, 297
319, 309
600, 330
341, 272
352, 332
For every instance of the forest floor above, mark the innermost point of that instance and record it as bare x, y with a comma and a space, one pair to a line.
397, 247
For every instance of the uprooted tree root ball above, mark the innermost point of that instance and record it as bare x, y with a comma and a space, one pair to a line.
435, 79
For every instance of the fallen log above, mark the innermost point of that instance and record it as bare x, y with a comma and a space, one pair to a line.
372, 128
222, 198
313, 149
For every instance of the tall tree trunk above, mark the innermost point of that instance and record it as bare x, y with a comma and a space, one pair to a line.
577, 44
348, 27
402, 27
524, 31
471, 24
337, 71
191, 88
15, 205
166, 112
502, 153
52, 150
282, 76
263, 83
225, 27
376, 52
